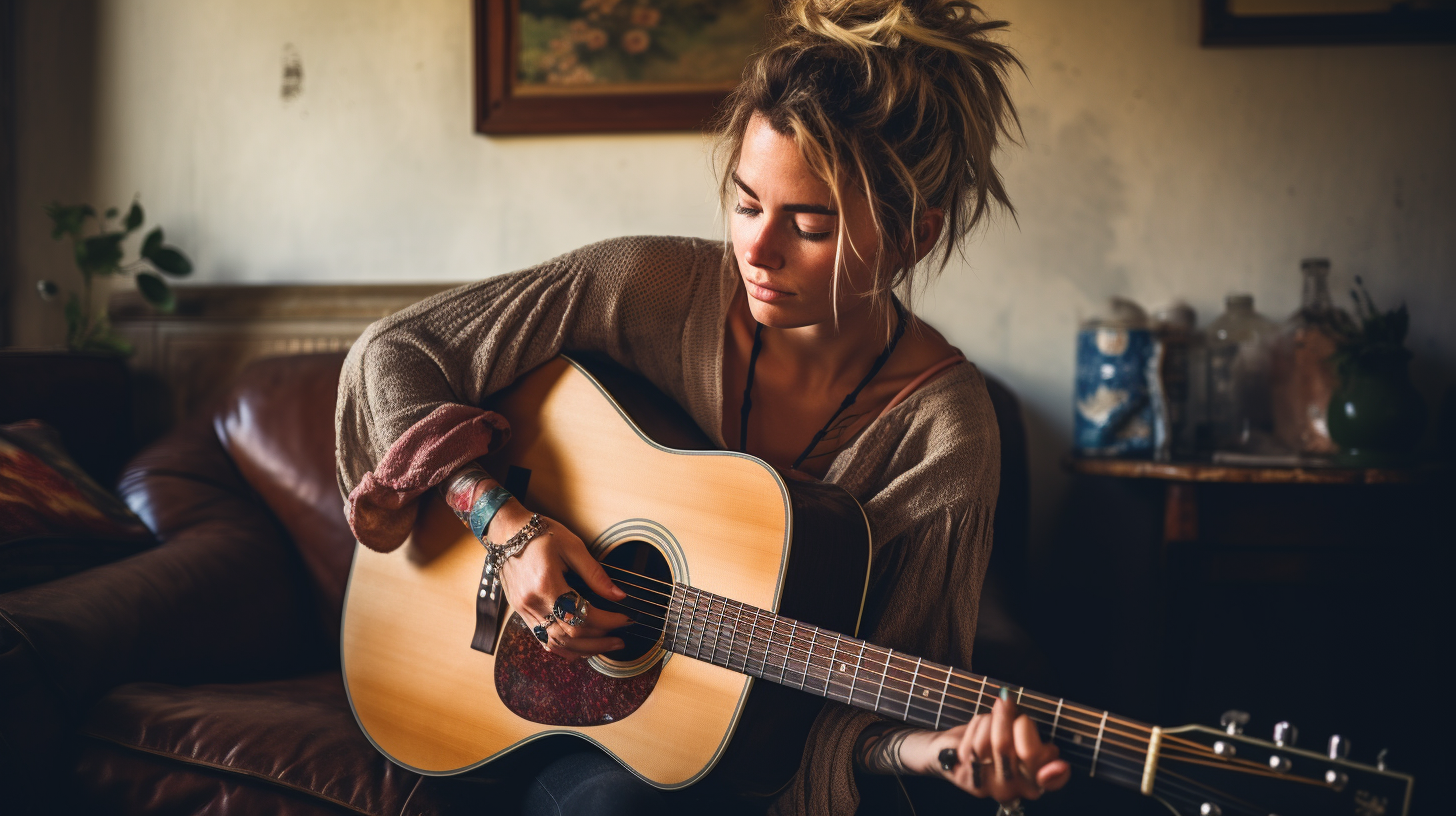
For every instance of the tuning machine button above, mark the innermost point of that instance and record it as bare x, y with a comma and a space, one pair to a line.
1210, 809
1339, 747
1380, 759
1224, 749
1285, 735
1233, 721
1336, 779
1279, 763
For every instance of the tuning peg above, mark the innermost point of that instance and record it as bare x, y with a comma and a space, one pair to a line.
1380, 759
1233, 721
1279, 763
1285, 735
1339, 747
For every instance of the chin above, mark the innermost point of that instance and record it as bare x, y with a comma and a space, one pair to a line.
779, 315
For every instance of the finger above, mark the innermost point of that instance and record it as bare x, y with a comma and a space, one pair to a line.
976, 744
1029, 747
1003, 748
1054, 775
591, 571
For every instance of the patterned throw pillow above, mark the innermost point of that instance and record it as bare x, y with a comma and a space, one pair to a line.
54, 520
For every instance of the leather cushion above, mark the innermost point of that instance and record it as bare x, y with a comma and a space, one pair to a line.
296, 735
277, 424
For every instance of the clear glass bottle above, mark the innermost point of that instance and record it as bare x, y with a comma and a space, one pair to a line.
1304, 376
1237, 354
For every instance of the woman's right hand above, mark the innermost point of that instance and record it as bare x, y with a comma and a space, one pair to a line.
536, 576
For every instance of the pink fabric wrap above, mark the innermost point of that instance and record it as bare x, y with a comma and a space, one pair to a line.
381, 511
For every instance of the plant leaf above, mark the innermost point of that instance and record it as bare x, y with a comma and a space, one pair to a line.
134, 217
152, 243
100, 254
156, 291
171, 261
68, 219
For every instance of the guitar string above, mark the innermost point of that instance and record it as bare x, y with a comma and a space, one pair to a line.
1201, 750
1196, 748
790, 658
773, 640
773, 635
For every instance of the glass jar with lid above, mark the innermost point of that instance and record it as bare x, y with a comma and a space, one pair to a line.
1237, 348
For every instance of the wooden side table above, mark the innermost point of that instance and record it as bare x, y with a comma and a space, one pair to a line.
1180, 506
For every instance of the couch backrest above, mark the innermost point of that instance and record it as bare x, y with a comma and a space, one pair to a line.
277, 424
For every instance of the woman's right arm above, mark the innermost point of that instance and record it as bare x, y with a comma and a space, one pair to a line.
408, 417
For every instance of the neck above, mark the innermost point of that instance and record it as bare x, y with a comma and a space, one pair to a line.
758, 643
822, 355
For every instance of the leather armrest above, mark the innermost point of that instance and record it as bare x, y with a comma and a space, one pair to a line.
224, 597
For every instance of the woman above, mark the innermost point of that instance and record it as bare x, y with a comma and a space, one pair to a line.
856, 151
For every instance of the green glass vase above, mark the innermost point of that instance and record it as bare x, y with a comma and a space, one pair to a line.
1376, 415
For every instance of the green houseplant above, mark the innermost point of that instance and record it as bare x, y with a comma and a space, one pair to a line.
101, 254
1376, 415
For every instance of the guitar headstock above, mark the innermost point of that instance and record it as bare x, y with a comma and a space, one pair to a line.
1204, 771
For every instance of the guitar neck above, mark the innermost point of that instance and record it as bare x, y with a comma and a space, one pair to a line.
771, 647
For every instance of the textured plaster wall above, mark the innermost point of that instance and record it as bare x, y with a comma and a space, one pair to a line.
1152, 168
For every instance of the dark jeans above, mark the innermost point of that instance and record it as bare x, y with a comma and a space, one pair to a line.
566, 776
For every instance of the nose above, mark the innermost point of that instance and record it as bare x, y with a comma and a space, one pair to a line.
760, 250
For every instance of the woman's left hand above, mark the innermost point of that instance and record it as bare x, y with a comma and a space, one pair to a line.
999, 755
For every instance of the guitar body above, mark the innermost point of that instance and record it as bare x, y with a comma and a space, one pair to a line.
598, 450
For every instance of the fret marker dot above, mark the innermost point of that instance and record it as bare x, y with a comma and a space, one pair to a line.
1077, 738
925, 693
843, 667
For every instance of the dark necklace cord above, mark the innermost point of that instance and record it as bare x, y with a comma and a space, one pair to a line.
848, 400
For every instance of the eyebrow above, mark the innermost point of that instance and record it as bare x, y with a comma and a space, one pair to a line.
816, 209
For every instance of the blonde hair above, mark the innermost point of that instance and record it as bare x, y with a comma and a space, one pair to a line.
904, 99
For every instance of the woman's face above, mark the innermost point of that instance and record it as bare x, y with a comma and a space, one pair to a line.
784, 230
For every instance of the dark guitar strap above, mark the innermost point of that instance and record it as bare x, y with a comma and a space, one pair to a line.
487, 616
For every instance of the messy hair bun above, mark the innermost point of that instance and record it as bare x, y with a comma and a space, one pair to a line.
904, 99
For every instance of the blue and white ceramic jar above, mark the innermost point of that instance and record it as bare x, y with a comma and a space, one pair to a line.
1115, 415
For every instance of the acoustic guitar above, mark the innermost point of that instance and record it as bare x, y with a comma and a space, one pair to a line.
733, 574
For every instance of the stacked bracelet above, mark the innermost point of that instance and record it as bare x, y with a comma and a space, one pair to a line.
485, 509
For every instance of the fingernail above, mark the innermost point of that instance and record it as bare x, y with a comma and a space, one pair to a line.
1005, 767
1006, 694
618, 645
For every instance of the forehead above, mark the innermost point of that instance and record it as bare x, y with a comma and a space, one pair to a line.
772, 165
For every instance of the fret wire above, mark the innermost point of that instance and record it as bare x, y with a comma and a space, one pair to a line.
737, 622
784, 669
879, 693
1098, 748
686, 638
913, 678
1057, 719
697, 599
796, 643
838, 639
981, 696
945, 692
718, 636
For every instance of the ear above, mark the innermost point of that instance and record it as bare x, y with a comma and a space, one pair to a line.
927, 231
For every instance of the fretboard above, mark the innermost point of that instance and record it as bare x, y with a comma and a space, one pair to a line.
760, 644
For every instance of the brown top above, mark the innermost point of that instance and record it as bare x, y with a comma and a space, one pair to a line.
926, 470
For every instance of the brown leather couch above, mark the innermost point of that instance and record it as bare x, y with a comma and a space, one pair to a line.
202, 676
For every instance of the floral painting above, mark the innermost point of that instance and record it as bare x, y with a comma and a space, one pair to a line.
636, 46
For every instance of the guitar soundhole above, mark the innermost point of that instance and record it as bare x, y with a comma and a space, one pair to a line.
544, 688
639, 569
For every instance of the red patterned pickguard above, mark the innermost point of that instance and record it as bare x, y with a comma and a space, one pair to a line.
551, 690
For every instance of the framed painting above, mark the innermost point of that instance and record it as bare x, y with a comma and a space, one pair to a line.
562, 66
1327, 22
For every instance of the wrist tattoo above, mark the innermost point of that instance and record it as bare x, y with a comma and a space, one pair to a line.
879, 749
461, 487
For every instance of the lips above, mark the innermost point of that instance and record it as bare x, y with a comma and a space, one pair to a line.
764, 293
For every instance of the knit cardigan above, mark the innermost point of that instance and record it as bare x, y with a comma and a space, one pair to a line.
926, 471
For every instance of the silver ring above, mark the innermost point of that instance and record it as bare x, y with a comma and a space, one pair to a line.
1012, 808
571, 608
